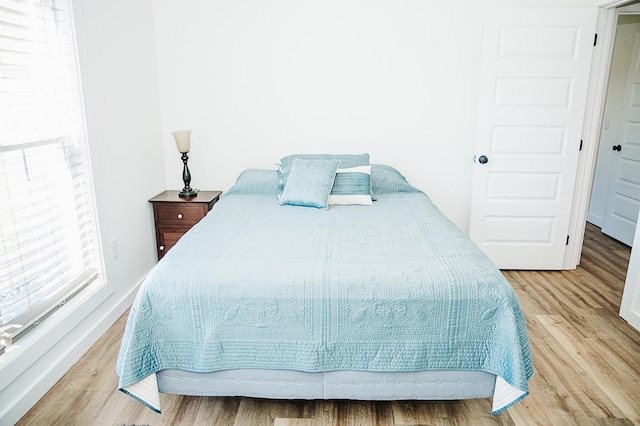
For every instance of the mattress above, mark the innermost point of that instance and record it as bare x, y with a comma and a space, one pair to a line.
392, 288
356, 385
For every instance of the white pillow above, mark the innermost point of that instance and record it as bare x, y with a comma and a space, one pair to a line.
352, 186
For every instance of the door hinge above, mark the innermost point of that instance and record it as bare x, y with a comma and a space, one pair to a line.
580, 145
595, 39
567, 241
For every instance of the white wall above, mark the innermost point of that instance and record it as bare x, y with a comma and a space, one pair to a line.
117, 58
257, 80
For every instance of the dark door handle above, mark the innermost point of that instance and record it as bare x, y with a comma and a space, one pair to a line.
483, 159
617, 148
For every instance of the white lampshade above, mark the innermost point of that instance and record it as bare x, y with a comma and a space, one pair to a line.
183, 140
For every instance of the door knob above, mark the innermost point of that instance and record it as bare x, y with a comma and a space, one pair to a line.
483, 159
617, 148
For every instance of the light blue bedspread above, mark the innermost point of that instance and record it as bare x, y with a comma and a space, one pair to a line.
389, 287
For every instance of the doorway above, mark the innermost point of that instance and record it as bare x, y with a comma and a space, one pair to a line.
597, 116
615, 195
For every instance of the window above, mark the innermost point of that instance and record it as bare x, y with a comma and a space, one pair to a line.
49, 245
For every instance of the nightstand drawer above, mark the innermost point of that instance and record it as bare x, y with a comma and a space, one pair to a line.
187, 215
168, 239
174, 215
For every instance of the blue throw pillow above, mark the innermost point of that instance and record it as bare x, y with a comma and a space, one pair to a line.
387, 180
309, 183
352, 186
255, 182
346, 160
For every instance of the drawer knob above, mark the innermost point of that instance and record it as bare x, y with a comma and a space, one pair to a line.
179, 215
161, 248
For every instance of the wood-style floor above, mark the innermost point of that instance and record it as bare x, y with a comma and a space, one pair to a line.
587, 362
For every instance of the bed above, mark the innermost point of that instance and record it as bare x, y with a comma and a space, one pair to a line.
380, 300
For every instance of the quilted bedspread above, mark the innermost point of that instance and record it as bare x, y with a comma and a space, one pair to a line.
389, 287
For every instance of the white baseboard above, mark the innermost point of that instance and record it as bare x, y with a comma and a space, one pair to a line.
596, 220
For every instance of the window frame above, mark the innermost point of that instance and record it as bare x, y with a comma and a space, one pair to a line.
69, 310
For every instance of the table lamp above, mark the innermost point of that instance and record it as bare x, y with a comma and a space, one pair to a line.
183, 142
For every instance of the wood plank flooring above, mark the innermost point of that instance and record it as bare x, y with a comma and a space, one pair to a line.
587, 362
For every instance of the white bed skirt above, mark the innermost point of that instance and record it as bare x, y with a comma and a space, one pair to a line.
288, 384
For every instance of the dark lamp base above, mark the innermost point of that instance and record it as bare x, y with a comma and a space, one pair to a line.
188, 193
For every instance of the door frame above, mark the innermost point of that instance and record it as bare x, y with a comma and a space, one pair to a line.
596, 97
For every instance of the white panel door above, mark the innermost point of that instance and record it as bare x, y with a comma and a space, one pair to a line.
623, 204
533, 91
630, 306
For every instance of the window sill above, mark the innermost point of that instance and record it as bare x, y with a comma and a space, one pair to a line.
19, 357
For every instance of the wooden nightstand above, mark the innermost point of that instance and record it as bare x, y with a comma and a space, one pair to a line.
174, 215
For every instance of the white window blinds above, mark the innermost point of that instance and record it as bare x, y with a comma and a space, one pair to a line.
49, 245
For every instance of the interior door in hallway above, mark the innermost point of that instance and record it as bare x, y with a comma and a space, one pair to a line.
623, 203
533, 89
